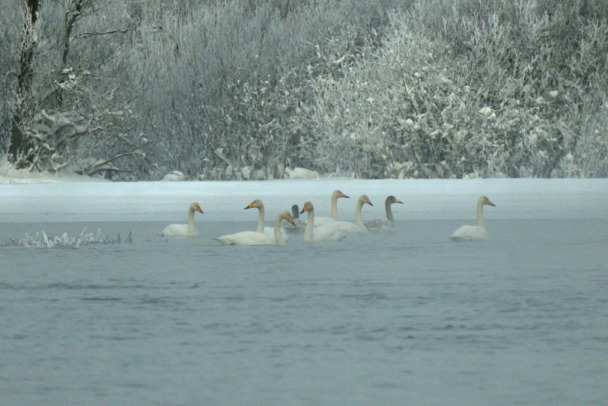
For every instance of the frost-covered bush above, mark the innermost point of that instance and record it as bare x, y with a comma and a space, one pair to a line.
225, 86
393, 114
76, 111
245, 89
89, 131
466, 89
9, 61
540, 67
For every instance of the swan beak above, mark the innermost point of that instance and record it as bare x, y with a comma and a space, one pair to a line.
490, 203
398, 201
343, 195
303, 210
369, 202
249, 206
291, 221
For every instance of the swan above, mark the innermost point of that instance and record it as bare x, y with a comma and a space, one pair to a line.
183, 230
326, 232
255, 238
319, 221
358, 226
389, 223
474, 233
258, 204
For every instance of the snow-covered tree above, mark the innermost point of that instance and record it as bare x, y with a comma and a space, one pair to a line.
70, 110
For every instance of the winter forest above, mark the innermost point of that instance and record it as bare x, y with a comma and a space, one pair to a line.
250, 89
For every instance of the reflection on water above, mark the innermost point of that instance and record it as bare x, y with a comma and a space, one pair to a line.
375, 318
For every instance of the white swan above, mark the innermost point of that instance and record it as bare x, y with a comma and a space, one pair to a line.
319, 221
358, 226
258, 204
183, 230
326, 232
255, 238
474, 233
389, 223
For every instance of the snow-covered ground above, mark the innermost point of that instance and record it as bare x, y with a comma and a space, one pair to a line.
40, 197
10, 175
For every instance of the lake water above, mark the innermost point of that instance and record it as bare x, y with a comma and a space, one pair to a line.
398, 318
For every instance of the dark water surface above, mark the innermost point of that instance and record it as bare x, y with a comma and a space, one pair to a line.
390, 319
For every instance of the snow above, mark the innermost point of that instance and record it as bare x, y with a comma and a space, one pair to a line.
300, 173
39, 198
174, 176
10, 175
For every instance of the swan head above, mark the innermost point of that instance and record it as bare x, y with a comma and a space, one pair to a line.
365, 200
284, 215
338, 193
485, 201
256, 204
196, 207
307, 207
392, 199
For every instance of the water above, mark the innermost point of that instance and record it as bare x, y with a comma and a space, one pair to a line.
399, 318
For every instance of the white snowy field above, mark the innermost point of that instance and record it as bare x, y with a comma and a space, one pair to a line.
72, 199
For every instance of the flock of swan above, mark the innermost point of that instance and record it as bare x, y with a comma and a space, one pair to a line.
319, 228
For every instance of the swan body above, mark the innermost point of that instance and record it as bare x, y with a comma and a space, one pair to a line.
256, 238
319, 221
183, 230
389, 223
358, 226
326, 232
474, 233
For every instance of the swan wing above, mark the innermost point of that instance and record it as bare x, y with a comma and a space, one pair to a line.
320, 221
269, 231
246, 238
348, 227
177, 230
327, 232
469, 233
379, 225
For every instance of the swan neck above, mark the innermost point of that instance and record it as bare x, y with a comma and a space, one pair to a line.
277, 231
260, 219
190, 221
389, 211
358, 218
480, 221
334, 207
309, 226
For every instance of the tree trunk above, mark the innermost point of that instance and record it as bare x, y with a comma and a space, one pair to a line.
70, 19
18, 143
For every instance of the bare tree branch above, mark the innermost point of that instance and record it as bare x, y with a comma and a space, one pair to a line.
100, 33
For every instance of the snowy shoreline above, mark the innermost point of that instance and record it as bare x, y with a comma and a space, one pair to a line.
224, 201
